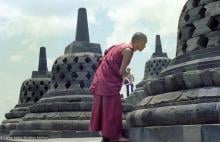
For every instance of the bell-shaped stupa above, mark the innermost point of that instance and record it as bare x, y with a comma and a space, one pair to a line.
31, 91
183, 103
65, 110
153, 67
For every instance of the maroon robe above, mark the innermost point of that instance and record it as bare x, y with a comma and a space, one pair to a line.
105, 88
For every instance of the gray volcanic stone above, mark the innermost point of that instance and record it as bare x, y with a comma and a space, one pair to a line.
155, 87
215, 77
189, 94
212, 9
193, 133
203, 26
186, 32
145, 101
213, 39
204, 2
168, 97
175, 115
82, 30
192, 79
196, 43
136, 97
206, 77
181, 97
168, 83
185, 80
179, 81
31, 91
198, 31
195, 14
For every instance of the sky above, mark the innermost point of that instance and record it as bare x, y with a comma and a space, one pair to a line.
27, 25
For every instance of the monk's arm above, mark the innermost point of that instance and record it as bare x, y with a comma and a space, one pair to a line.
127, 55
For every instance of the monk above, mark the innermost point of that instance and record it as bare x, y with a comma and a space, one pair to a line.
106, 85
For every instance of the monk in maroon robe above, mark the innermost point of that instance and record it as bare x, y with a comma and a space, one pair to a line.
106, 85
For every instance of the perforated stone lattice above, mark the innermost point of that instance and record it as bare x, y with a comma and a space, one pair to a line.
154, 66
199, 26
187, 91
33, 89
73, 70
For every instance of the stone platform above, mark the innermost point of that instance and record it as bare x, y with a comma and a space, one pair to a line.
136, 97
178, 133
98, 139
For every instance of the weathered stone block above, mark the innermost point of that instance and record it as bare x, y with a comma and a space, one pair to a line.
142, 135
145, 101
208, 92
206, 78
155, 86
196, 43
175, 115
192, 79
216, 77
192, 133
186, 32
213, 9
189, 94
195, 14
203, 2
203, 26
210, 133
127, 107
156, 134
136, 97
15, 114
182, 133
169, 83
192, 4
165, 98
214, 39
179, 81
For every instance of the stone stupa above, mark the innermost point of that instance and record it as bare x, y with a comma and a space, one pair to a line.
184, 104
153, 67
65, 110
31, 91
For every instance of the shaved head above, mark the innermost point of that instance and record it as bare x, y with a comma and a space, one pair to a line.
139, 36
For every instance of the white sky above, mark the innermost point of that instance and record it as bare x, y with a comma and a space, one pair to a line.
26, 25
